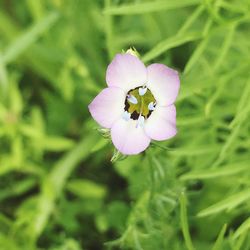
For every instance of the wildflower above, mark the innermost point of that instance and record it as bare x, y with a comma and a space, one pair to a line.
137, 106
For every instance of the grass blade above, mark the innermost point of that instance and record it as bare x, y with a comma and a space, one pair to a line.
219, 241
191, 19
232, 169
56, 181
84, 188
109, 31
184, 223
224, 48
196, 55
243, 228
66, 165
228, 203
170, 43
29, 37
147, 7
3, 79
242, 108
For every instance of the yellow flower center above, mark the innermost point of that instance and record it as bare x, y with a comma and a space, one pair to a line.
140, 102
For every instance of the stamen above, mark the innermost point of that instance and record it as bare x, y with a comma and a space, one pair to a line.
132, 99
126, 116
140, 121
140, 103
151, 106
142, 91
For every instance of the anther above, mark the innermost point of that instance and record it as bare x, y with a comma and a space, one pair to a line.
140, 121
142, 91
151, 106
126, 115
132, 99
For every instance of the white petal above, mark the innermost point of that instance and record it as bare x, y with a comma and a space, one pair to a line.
126, 71
164, 83
108, 106
161, 124
129, 138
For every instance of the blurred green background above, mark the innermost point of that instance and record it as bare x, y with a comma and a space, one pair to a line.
58, 188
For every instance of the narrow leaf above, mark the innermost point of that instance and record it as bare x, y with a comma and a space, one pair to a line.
29, 37
184, 223
231, 169
170, 43
228, 203
219, 241
243, 228
151, 6
224, 48
87, 189
196, 55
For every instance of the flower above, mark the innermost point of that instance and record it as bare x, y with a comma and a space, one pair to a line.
137, 106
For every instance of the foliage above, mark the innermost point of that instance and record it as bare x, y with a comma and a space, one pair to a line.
59, 188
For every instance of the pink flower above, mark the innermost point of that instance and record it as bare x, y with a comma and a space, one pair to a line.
137, 106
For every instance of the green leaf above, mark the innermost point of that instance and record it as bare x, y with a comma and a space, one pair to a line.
45, 206
196, 55
184, 223
53, 184
5, 224
3, 79
67, 163
224, 47
117, 156
191, 19
100, 145
228, 203
243, 106
170, 43
17, 189
219, 241
87, 189
36, 8
151, 6
242, 229
57, 144
227, 170
29, 37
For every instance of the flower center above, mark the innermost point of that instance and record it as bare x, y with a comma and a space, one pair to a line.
139, 104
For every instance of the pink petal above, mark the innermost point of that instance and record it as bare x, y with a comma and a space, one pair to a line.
128, 138
161, 124
126, 71
108, 106
164, 83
